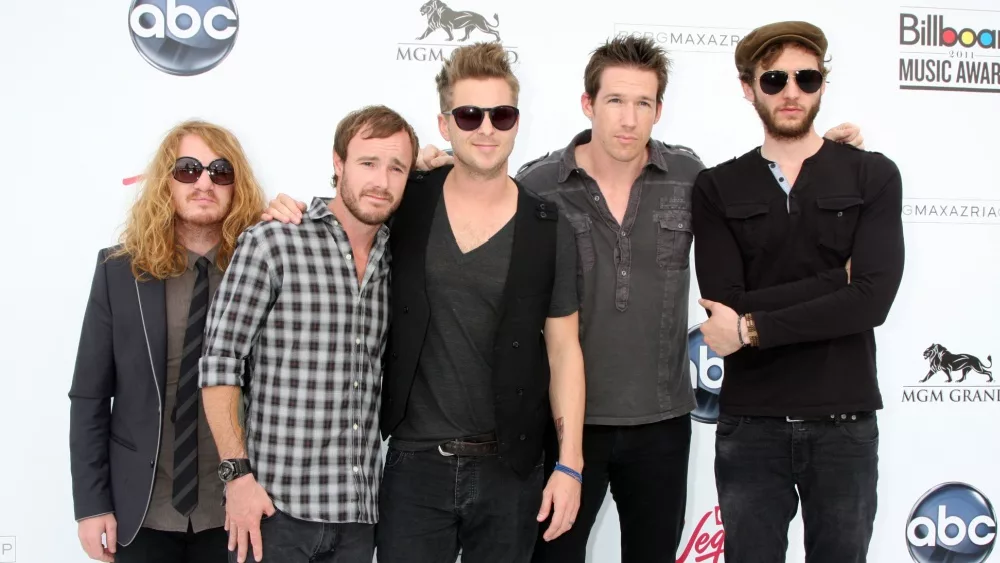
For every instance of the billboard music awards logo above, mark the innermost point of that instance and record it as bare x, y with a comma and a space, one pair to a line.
690, 39
707, 369
949, 49
707, 542
955, 378
953, 522
441, 22
183, 39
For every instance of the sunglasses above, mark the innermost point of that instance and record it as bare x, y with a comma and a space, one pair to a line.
187, 170
773, 81
469, 118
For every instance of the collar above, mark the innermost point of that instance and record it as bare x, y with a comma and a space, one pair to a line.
193, 257
319, 210
567, 164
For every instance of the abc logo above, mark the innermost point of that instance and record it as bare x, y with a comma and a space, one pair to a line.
183, 39
706, 377
951, 522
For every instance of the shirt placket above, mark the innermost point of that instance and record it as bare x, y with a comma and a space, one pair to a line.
623, 241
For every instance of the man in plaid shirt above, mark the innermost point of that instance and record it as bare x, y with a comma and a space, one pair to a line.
300, 322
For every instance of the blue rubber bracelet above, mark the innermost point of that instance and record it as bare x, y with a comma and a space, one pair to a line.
568, 471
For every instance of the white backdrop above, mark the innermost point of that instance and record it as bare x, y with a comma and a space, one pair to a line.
81, 109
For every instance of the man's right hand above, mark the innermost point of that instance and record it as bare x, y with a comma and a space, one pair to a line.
432, 157
90, 531
285, 209
246, 503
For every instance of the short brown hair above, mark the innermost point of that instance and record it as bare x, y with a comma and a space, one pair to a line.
749, 70
479, 60
377, 122
631, 52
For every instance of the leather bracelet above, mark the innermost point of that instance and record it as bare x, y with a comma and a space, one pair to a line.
752, 331
739, 330
572, 473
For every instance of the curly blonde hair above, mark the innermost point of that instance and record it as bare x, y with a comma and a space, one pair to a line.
149, 238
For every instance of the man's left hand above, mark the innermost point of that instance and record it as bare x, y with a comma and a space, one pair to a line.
720, 330
848, 133
562, 498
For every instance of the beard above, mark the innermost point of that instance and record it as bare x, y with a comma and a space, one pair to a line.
785, 131
352, 201
475, 170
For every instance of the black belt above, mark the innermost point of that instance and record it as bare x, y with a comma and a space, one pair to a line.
481, 445
839, 417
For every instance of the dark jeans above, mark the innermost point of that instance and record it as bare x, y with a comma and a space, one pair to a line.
155, 546
646, 467
290, 540
432, 505
759, 463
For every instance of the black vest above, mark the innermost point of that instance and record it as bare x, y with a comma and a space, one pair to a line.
520, 362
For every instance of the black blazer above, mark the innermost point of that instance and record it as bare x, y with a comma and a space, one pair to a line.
116, 399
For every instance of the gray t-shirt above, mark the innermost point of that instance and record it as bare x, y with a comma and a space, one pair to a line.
452, 394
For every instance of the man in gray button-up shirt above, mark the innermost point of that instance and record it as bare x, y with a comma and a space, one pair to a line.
628, 198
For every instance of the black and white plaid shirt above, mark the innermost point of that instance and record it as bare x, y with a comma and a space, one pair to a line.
291, 321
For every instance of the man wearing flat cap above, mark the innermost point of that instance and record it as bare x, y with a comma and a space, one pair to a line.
799, 255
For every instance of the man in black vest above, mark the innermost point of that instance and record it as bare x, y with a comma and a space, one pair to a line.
144, 467
481, 271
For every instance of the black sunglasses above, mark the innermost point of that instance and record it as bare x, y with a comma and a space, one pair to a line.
773, 81
187, 170
469, 118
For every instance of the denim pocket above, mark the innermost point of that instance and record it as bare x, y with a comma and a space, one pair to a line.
394, 456
727, 425
864, 431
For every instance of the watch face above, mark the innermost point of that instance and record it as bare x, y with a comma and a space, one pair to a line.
226, 471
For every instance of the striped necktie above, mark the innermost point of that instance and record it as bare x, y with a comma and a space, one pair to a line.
185, 491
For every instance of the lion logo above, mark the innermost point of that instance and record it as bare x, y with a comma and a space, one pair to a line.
440, 16
943, 360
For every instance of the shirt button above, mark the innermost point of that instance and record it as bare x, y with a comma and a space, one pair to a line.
680, 225
542, 215
840, 214
597, 198
355, 384
357, 341
355, 426
773, 165
623, 272
515, 344
348, 256
781, 179
623, 233
356, 469
523, 437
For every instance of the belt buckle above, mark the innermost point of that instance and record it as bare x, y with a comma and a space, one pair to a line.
444, 453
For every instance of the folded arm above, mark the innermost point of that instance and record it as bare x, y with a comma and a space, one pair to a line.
877, 260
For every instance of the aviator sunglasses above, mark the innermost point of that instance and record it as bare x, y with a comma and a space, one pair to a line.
469, 118
774, 81
187, 170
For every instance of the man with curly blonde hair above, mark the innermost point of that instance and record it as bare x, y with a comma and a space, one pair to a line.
144, 465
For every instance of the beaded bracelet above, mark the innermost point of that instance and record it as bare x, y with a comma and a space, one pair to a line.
572, 473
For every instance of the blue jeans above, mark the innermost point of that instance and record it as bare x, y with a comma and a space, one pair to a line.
290, 540
760, 462
431, 505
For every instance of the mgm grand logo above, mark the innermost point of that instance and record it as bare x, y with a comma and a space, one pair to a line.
455, 25
946, 371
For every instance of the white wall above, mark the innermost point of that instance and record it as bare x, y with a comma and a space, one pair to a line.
81, 110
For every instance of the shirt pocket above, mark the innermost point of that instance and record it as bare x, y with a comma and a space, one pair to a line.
673, 239
750, 222
582, 228
836, 221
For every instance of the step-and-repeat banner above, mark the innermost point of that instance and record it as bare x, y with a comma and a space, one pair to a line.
89, 88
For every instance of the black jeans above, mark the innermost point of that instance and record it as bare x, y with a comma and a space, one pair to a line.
431, 505
647, 468
290, 540
759, 463
155, 546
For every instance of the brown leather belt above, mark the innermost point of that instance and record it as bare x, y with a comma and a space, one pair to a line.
481, 445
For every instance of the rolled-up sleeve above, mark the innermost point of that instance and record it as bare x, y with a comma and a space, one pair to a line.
238, 312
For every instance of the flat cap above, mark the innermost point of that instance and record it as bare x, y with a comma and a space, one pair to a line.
755, 42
